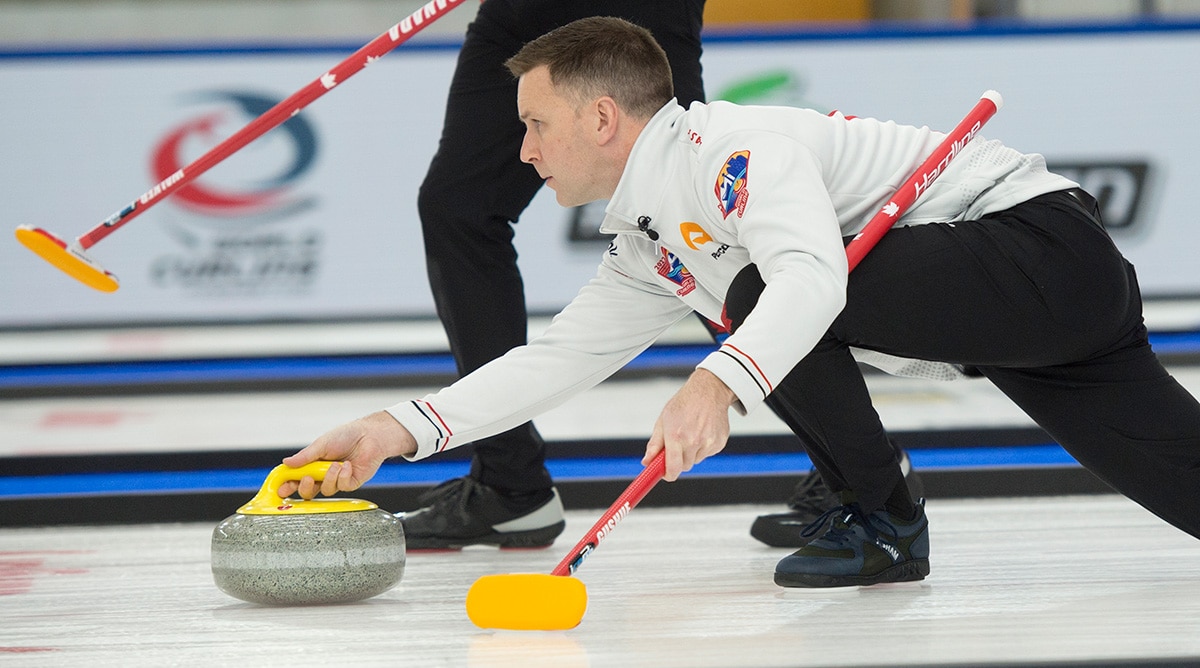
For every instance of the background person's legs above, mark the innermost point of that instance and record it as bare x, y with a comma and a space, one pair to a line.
476, 186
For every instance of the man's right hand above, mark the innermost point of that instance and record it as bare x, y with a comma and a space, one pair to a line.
359, 448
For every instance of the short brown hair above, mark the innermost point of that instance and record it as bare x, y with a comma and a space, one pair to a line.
602, 55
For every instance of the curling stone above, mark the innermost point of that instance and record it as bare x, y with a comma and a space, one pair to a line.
277, 551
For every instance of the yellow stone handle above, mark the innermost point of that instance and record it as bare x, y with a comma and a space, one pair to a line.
268, 501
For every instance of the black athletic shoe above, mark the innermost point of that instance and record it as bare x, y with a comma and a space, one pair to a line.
859, 549
810, 500
463, 511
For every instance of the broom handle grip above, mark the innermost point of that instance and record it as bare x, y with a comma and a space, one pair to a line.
633, 494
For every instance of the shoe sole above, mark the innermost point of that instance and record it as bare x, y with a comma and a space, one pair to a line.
515, 540
907, 571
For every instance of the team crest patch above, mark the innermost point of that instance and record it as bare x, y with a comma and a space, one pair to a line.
672, 269
731, 190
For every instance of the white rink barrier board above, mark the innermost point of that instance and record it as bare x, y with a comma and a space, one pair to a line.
318, 219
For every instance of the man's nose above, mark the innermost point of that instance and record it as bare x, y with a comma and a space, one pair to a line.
529, 151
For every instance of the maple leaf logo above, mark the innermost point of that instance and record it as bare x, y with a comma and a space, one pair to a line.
371, 59
328, 80
890, 209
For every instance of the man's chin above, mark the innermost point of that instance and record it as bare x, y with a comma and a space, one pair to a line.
566, 201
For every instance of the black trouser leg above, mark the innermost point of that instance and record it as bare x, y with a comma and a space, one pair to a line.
873, 472
1124, 418
1042, 302
855, 457
476, 187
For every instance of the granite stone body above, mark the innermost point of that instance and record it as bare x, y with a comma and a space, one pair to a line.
308, 559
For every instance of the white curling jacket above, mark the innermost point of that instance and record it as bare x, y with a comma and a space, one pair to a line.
721, 186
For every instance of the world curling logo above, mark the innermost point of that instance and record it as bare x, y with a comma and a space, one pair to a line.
236, 224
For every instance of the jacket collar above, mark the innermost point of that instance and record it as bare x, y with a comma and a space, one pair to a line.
651, 164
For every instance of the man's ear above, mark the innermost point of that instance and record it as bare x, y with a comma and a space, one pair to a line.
608, 116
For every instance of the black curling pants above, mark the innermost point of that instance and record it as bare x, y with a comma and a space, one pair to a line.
1040, 300
477, 187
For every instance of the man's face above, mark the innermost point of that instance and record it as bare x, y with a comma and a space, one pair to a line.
558, 142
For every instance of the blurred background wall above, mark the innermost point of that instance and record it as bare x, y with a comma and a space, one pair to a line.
98, 95
43, 22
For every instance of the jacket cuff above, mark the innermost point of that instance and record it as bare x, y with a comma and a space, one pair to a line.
425, 425
740, 374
